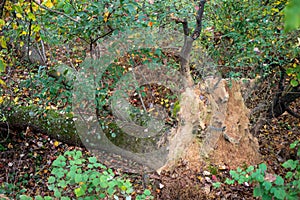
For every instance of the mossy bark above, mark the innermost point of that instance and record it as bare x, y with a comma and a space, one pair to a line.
55, 125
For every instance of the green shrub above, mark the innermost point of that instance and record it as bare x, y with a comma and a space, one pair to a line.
271, 186
71, 173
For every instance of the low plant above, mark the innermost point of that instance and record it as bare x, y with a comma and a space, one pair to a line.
71, 173
270, 186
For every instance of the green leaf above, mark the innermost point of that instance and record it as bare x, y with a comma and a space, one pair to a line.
96, 182
147, 192
24, 197
78, 154
31, 16
229, 181
290, 164
57, 193
39, 197
250, 169
51, 186
289, 175
79, 192
280, 193
267, 185
262, 167
67, 8
59, 162
294, 144
216, 185
289, 71
294, 83
92, 159
258, 191
279, 181
62, 183
2, 66
51, 179
78, 178
102, 195
266, 197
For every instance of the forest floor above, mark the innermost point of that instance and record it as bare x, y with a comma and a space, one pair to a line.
26, 158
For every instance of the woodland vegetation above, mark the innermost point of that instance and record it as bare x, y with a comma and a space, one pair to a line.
147, 99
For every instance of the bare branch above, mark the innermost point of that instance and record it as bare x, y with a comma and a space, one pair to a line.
55, 11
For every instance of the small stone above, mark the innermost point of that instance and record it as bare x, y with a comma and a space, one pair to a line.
206, 173
208, 179
222, 167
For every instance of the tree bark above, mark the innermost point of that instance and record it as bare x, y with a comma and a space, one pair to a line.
281, 103
51, 123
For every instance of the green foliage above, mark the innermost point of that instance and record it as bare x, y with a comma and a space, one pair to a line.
247, 38
86, 179
292, 15
9, 188
49, 90
271, 186
294, 72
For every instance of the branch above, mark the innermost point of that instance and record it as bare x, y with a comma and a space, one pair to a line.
289, 110
183, 22
102, 36
199, 17
55, 11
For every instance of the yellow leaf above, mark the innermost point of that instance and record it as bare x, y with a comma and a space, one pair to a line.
16, 99
56, 143
3, 43
49, 4
1, 100
35, 7
23, 33
2, 83
14, 26
19, 15
2, 23
106, 16
78, 61
123, 188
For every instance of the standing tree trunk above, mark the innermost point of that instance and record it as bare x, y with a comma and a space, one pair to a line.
216, 111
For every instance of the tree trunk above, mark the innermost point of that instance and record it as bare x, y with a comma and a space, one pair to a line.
51, 123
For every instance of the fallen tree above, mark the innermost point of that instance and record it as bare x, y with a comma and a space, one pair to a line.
213, 121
